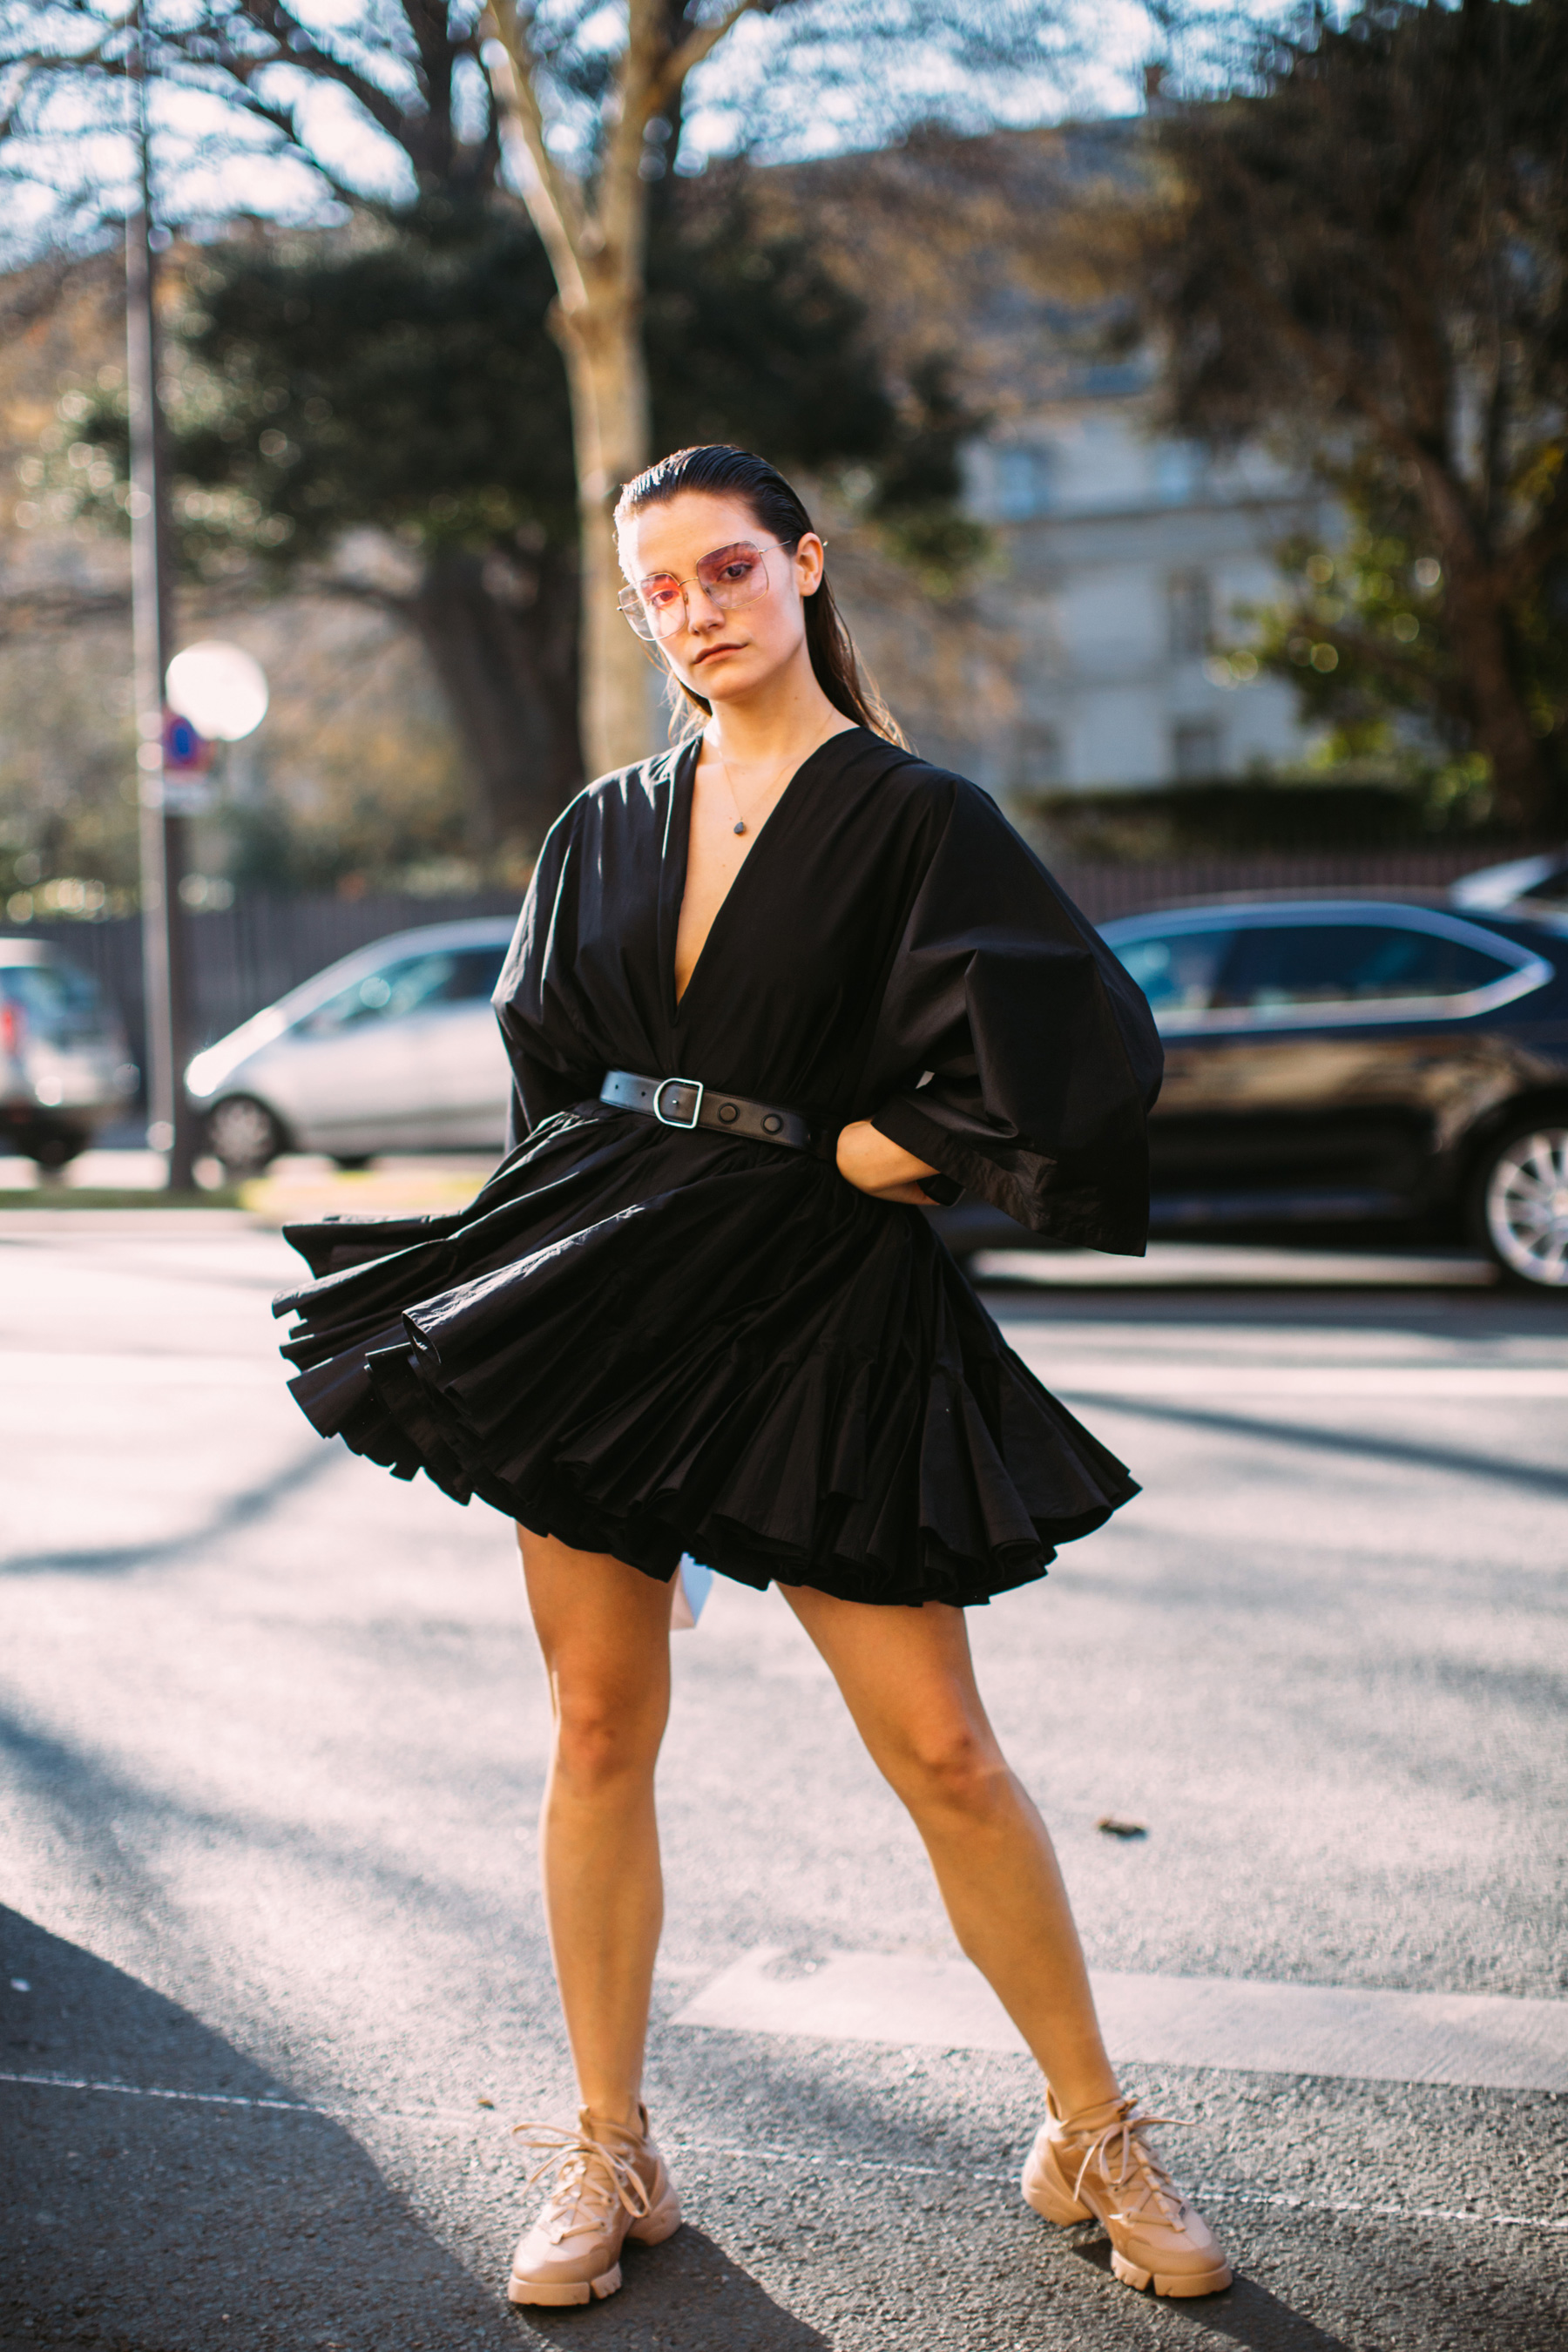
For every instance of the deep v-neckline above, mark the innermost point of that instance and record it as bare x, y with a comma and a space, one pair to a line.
681, 814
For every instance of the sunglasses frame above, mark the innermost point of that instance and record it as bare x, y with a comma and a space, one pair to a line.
635, 612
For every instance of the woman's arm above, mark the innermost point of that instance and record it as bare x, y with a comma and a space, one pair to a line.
874, 1164
1043, 1055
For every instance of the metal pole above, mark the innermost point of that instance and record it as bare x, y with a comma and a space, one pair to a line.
171, 1127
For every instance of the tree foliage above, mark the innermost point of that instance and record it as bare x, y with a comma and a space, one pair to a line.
1365, 253
1363, 634
589, 100
404, 383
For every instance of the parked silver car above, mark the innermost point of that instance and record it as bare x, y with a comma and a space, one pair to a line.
65, 1068
394, 1048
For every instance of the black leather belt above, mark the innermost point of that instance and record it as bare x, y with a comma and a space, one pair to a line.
686, 1102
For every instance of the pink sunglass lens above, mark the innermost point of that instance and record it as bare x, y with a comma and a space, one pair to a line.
729, 569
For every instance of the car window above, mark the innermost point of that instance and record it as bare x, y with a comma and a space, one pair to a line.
413, 984
387, 995
476, 974
56, 999
1282, 965
1177, 971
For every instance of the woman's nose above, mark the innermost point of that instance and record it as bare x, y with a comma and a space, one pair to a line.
701, 611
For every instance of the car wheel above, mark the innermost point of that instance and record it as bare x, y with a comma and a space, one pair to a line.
243, 1134
350, 1162
1521, 1199
54, 1147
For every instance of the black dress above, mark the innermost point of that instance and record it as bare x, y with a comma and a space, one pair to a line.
649, 1342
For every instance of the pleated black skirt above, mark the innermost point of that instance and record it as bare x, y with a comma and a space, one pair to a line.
651, 1343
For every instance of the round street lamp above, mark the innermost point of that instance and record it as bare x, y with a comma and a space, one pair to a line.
219, 688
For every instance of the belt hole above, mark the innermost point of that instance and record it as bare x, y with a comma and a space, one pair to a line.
772, 1124
728, 1111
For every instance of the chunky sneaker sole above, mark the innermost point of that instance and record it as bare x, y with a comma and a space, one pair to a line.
1045, 2194
1207, 2282
661, 2221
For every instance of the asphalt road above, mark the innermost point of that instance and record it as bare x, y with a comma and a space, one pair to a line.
272, 1735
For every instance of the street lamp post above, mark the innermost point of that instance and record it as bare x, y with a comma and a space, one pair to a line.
172, 1126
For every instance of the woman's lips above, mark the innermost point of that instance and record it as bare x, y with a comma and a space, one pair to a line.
710, 651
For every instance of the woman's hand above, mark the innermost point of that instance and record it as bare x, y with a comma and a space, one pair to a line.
873, 1163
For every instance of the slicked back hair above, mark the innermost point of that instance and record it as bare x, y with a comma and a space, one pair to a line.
722, 471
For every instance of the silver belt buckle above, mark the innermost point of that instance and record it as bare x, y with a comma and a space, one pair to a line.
658, 1093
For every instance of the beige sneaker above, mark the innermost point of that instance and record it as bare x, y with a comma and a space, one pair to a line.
610, 2184
1099, 2162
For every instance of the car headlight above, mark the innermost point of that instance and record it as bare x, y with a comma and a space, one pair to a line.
207, 1070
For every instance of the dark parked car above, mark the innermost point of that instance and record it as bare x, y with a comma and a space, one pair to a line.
1524, 886
1351, 1062
65, 1070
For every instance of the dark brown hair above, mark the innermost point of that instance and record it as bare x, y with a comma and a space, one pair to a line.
722, 471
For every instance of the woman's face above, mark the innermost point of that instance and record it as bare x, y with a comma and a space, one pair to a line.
722, 654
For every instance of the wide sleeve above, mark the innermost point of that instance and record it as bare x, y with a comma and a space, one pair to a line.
1012, 1052
553, 1061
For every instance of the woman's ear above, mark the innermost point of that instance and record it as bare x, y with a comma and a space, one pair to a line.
809, 564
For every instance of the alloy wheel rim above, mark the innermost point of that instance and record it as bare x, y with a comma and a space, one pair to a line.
241, 1132
1527, 1206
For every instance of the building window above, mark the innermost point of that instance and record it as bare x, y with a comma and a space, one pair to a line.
1024, 479
1039, 760
1179, 470
1195, 750
1190, 604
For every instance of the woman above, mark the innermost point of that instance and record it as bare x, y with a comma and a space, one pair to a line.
771, 995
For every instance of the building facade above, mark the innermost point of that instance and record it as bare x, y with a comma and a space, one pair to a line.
1101, 650
1127, 564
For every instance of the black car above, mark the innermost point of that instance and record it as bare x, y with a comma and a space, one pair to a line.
1356, 1062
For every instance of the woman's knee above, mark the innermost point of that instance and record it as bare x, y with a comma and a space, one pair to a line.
606, 1737
951, 1765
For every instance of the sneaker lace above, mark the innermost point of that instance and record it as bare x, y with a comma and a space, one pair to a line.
1139, 2179
590, 2179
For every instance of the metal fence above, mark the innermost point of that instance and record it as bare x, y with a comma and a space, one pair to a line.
248, 954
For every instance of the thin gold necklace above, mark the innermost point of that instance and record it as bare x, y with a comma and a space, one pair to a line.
730, 782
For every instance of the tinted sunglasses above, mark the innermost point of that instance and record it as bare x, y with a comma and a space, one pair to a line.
730, 577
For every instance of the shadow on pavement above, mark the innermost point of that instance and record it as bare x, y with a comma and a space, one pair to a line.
1471, 1316
204, 2219
687, 2293
1246, 2315
1344, 1440
228, 1516
181, 2224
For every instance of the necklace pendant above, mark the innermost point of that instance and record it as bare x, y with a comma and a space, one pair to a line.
742, 826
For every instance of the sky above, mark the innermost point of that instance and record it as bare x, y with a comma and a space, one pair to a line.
209, 167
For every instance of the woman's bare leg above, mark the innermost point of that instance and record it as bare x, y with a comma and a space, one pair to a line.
604, 1629
909, 1681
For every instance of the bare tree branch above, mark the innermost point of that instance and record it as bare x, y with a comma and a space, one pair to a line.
698, 46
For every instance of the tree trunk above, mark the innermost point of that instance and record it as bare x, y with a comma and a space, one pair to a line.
501, 639
597, 252
1478, 633
607, 377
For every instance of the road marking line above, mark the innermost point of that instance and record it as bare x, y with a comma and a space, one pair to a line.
46, 1368
1110, 1377
1069, 1374
812, 2161
1212, 1266
1234, 2023
142, 2091
1212, 2190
